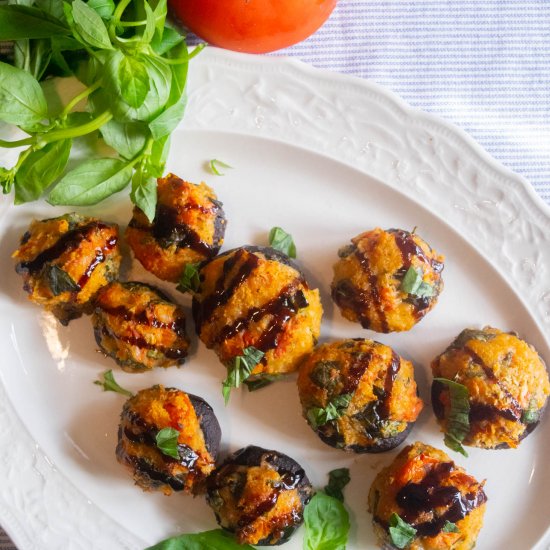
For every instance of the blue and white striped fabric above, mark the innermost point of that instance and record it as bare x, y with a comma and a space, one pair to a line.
481, 64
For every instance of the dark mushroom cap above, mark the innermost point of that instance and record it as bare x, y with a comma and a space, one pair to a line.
255, 296
154, 409
139, 327
359, 395
507, 384
64, 261
428, 491
188, 228
387, 280
259, 495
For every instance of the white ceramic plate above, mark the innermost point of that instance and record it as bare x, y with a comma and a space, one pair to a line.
325, 157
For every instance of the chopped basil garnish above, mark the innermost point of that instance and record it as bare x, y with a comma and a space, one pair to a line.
109, 384
60, 281
326, 374
215, 166
450, 527
401, 533
167, 442
280, 240
458, 423
335, 408
531, 414
190, 280
337, 480
240, 369
412, 283
262, 381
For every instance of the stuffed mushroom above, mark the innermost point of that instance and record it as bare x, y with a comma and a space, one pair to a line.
502, 381
387, 280
139, 327
168, 440
424, 501
259, 495
256, 298
64, 261
188, 227
359, 395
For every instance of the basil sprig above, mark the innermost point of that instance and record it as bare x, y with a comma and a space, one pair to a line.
240, 369
282, 241
167, 442
401, 532
336, 407
110, 384
458, 423
133, 66
412, 283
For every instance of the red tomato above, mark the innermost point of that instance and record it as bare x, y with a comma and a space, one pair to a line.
254, 26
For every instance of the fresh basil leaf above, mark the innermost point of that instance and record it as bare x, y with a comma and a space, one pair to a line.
240, 369
20, 22
327, 524
337, 480
458, 423
160, 78
40, 169
167, 442
167, 121
32, 56
110, 384
178, 71
144, 193
336, 407
104, 8
65, 43
280, 240
150, 25
60, 281
7, 179
207, 540
215, 166
160, 12
450, 527
90, 26
91, 182
126, 138
134, 80
52, 7
164, 41
401, 533
159, 154
190, 278
22, 100
261, 381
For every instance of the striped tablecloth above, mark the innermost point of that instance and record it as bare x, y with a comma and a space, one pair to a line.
482, 64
